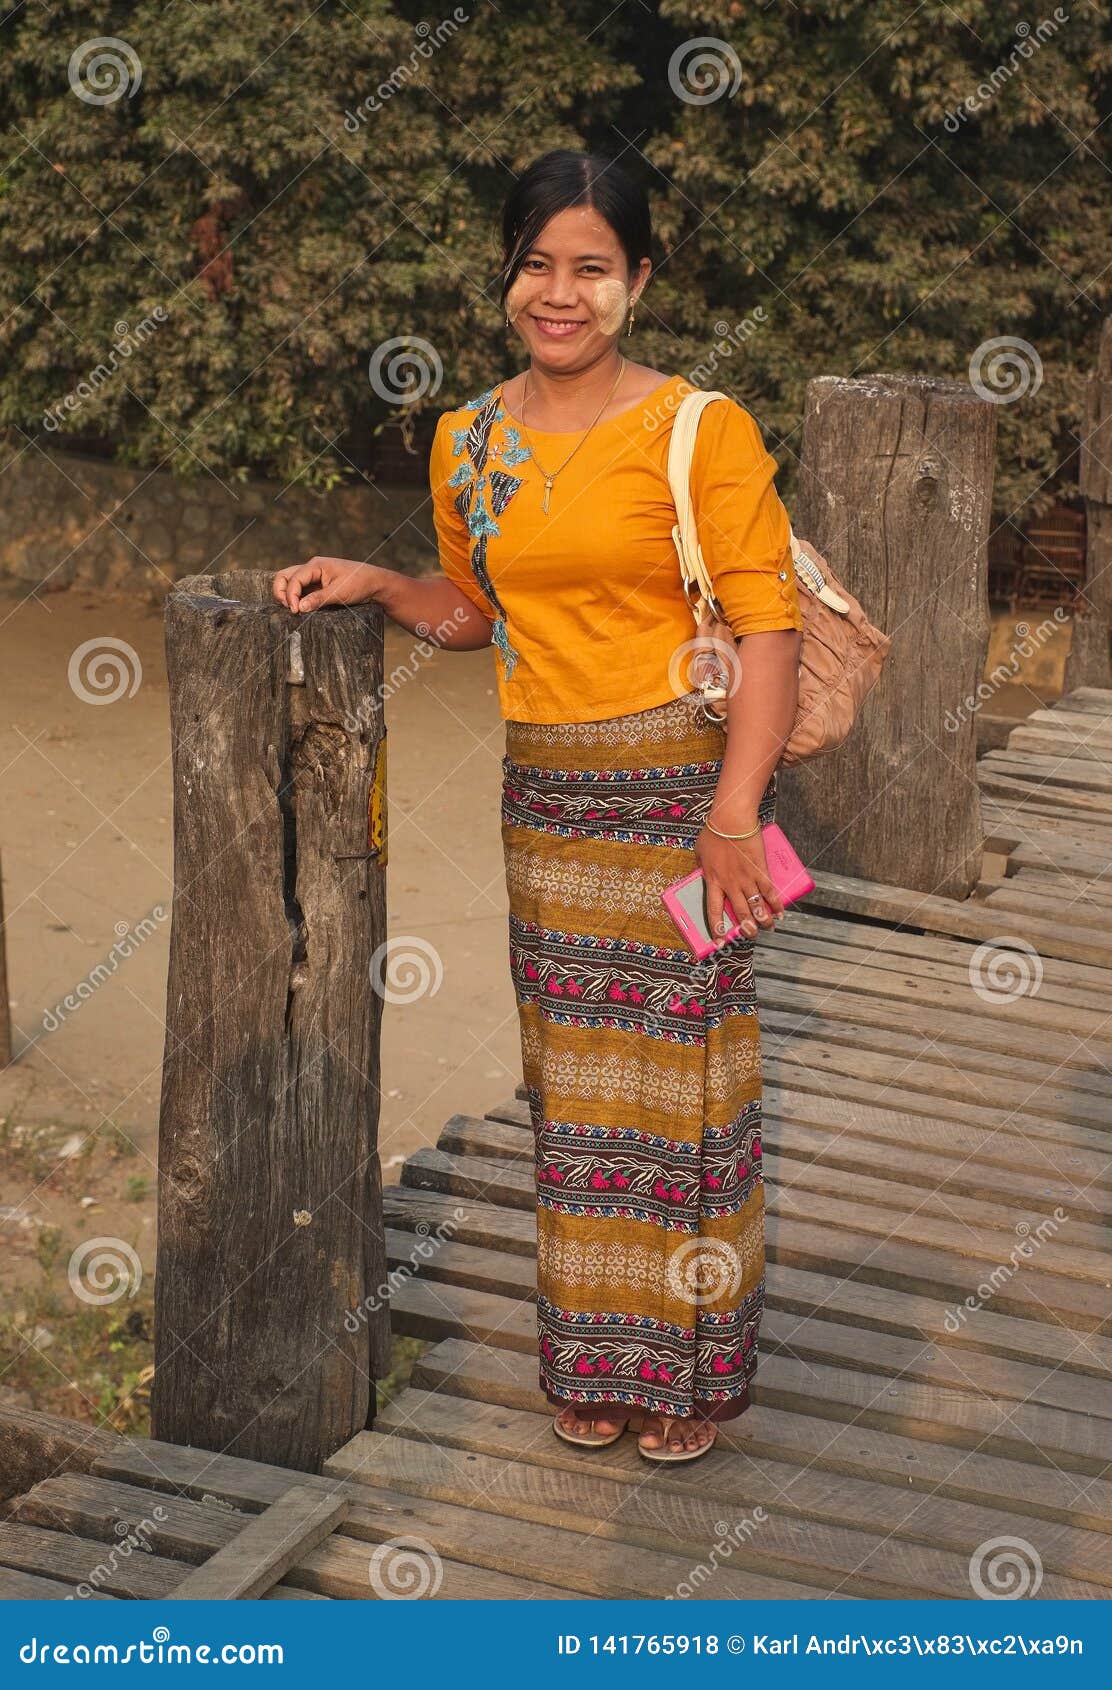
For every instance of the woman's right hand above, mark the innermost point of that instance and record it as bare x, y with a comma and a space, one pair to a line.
334, 580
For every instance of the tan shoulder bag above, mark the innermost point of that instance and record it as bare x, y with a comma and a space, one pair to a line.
842, 653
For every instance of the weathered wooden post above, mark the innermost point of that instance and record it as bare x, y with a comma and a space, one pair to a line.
896, 490
5, 1008
1089, 663
270, 1318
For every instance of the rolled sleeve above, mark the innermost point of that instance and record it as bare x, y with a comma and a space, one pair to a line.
452, 537
743, 528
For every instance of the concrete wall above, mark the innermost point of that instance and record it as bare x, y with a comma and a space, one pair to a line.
67, 520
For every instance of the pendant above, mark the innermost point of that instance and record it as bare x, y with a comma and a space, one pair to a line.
547, 490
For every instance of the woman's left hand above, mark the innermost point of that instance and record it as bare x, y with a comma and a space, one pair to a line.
737, 869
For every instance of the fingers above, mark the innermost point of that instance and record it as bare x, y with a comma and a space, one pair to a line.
289, 584
749, 896
757, 902
714, 896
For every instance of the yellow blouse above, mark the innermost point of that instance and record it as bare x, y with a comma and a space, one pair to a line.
586, 605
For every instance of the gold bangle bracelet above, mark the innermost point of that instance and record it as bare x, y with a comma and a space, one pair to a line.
751, 833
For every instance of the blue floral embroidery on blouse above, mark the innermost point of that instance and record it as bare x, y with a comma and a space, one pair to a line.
513, 452
484, 496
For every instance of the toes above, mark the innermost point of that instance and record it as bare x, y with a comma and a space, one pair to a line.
652, 1433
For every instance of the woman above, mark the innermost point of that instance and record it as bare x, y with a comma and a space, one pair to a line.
642, 1066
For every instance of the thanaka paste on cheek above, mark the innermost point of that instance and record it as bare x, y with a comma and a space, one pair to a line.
516, 298
610, 302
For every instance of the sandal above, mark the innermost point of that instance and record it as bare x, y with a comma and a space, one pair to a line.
590, 1439
664, 1454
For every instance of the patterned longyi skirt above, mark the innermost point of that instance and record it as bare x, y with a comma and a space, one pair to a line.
642, 1068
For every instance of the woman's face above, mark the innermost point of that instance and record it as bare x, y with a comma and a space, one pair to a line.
572, 296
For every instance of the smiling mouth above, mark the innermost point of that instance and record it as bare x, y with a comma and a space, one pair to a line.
557, 325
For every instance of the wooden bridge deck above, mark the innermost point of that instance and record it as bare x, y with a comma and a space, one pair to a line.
920, 1132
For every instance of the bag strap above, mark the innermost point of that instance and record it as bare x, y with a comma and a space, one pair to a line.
681, 449
697, 584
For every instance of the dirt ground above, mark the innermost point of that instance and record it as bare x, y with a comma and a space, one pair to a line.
85, 837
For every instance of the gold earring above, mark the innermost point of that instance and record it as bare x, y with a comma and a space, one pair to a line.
629, 328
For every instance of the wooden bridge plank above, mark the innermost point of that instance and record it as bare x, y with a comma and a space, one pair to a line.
1050, 1124
852, 990
839, 1559
744, 1484
17, 1586
59, 1551
935, 961
966, 920
1026, 1076
265, 1549
504, 1378
338, 1567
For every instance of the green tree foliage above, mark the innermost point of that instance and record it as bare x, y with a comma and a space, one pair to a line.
862, 184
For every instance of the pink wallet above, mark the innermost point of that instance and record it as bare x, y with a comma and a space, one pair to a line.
684, 899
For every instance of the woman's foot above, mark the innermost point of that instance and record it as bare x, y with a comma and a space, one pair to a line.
608, 1423
664, 1437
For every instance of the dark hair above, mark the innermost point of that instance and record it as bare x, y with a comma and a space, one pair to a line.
556, 182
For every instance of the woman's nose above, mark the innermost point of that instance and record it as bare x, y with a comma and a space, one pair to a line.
562, 292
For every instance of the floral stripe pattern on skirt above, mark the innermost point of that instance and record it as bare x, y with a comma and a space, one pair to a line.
642, 1068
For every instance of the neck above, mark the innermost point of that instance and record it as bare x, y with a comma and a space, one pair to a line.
567, 390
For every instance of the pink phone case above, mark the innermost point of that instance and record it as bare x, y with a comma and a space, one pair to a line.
786, 872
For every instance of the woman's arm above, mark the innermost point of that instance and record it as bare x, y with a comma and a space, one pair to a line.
760, 712
435, 610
